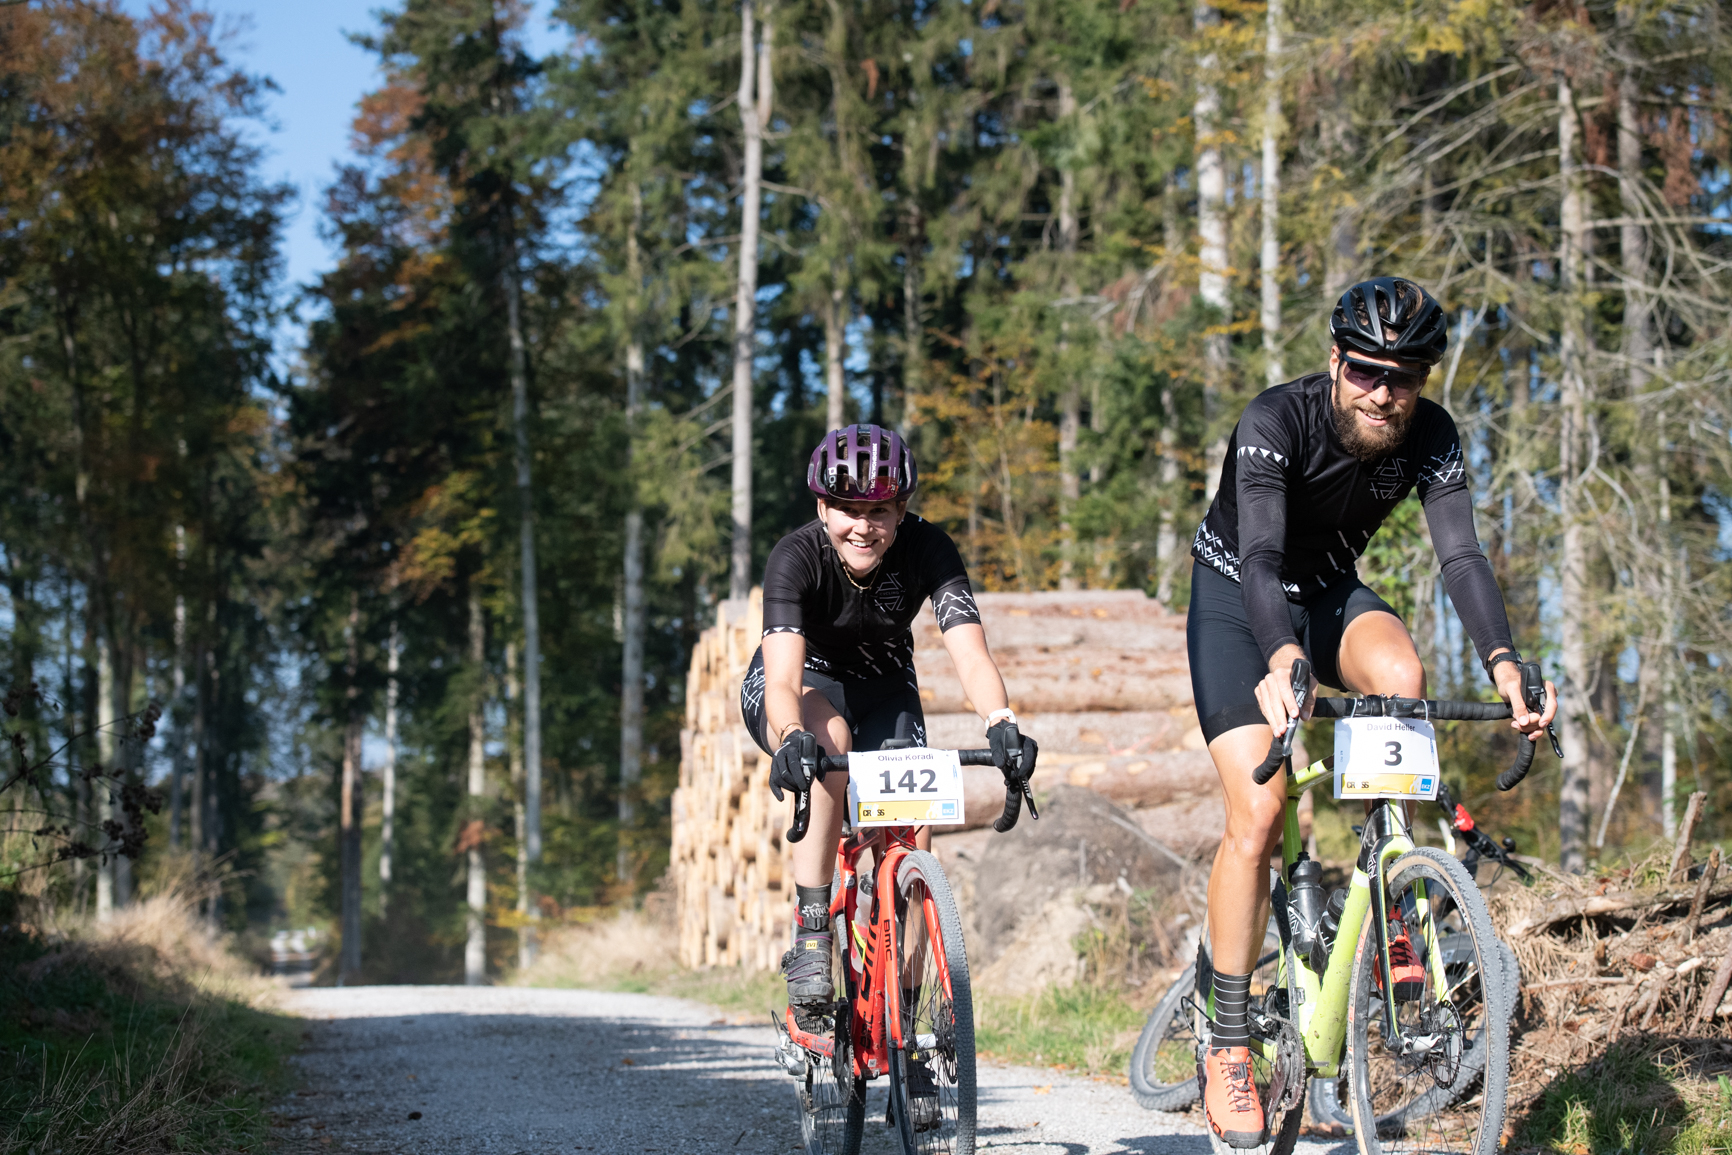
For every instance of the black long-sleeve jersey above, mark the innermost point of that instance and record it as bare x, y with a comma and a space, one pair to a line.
1295, 510
856, 634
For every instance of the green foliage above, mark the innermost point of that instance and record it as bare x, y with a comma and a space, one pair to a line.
1087, 1027
1634, 1098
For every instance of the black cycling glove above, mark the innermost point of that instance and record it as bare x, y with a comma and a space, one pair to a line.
1012, 753
793, 765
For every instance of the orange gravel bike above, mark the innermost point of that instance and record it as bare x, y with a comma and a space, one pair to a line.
906, 1009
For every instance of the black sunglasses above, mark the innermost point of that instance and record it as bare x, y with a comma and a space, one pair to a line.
1369, 377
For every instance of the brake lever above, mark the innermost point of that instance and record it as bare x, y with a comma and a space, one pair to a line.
1534, 694
1301, 692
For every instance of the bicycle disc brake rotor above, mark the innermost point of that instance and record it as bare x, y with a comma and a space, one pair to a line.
944, 1041
1436, 1048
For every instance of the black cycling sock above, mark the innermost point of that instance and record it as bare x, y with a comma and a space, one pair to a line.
1232, 992
812, 907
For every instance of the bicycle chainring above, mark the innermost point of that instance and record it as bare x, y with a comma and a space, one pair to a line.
1287, 1073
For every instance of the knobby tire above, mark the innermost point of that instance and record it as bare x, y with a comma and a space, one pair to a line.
1163, 1063
1398, 1106
941, 1030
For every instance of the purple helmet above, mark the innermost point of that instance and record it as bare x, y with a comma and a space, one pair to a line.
862, 463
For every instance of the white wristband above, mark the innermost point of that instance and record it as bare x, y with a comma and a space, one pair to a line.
1004, 715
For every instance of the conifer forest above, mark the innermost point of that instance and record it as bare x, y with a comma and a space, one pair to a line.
389, 632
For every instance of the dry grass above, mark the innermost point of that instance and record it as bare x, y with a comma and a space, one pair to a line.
1607, 1053
141, 1034
628, 950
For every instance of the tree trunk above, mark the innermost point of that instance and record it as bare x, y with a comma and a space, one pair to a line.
914, 330
353, 796
388, 773
631, 668
1341, 257
1211, 238
526, 560
475, 949
1070, 416
1166, 534
122, 754
514, 756
176, 713
754, 118
104, 790
835, 351
632, 619
1271, 250
1573, 809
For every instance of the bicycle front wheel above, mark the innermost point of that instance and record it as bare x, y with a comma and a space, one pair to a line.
1414, 1090
932, 1089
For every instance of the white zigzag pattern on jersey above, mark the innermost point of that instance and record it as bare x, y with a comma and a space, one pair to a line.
953, 605
1257, 449
1445, 466
752, 688
1213, 552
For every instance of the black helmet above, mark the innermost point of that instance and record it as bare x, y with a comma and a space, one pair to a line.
1390, 317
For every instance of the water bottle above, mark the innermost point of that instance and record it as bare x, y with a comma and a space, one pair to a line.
1331, 926
1305, 903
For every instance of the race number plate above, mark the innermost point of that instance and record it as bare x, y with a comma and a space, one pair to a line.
916, 787
1385, 758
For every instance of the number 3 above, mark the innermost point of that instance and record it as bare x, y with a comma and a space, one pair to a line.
1394, 749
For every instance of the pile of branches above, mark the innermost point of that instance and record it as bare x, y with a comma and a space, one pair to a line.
1638, 954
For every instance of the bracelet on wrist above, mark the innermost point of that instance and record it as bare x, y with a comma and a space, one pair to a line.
1491, 663
1005, 714
782, 734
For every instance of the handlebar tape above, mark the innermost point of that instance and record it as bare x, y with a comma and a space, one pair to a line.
1534, 694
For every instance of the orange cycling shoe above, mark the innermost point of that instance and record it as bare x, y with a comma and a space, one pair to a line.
1404, 968
1230, 1097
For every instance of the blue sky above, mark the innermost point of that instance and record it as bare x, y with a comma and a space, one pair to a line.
303, 46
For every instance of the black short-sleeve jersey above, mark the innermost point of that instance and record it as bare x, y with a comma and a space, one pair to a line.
853, 633
1295, 510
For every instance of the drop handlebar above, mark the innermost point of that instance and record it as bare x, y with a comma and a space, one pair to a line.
1016, 790
1426, 709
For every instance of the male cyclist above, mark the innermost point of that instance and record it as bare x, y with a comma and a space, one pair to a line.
837, 663
1313, 468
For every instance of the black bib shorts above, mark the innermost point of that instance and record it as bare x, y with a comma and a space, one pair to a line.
874, 708
1226, 661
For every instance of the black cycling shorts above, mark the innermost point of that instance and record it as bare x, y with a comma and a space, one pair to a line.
1226, 661
874, 708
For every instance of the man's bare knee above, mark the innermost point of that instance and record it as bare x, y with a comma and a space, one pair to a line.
1252, 826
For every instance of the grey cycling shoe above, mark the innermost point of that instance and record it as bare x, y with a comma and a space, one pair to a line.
807, 966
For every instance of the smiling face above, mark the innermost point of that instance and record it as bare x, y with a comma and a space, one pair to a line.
1374, 401
861, 532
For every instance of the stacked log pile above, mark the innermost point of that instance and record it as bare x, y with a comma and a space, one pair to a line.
1098, 677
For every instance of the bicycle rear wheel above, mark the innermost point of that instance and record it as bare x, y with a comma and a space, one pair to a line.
1164, 1062
937, 1022
1439, 1083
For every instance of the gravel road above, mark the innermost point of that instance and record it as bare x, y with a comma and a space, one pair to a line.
510, 1070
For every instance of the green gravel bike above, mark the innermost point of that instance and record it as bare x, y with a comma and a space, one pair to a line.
1418, 1070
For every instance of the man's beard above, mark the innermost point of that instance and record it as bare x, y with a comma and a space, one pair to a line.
1364, 442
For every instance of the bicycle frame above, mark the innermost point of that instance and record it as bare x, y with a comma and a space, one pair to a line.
1318, 1003
874, 989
